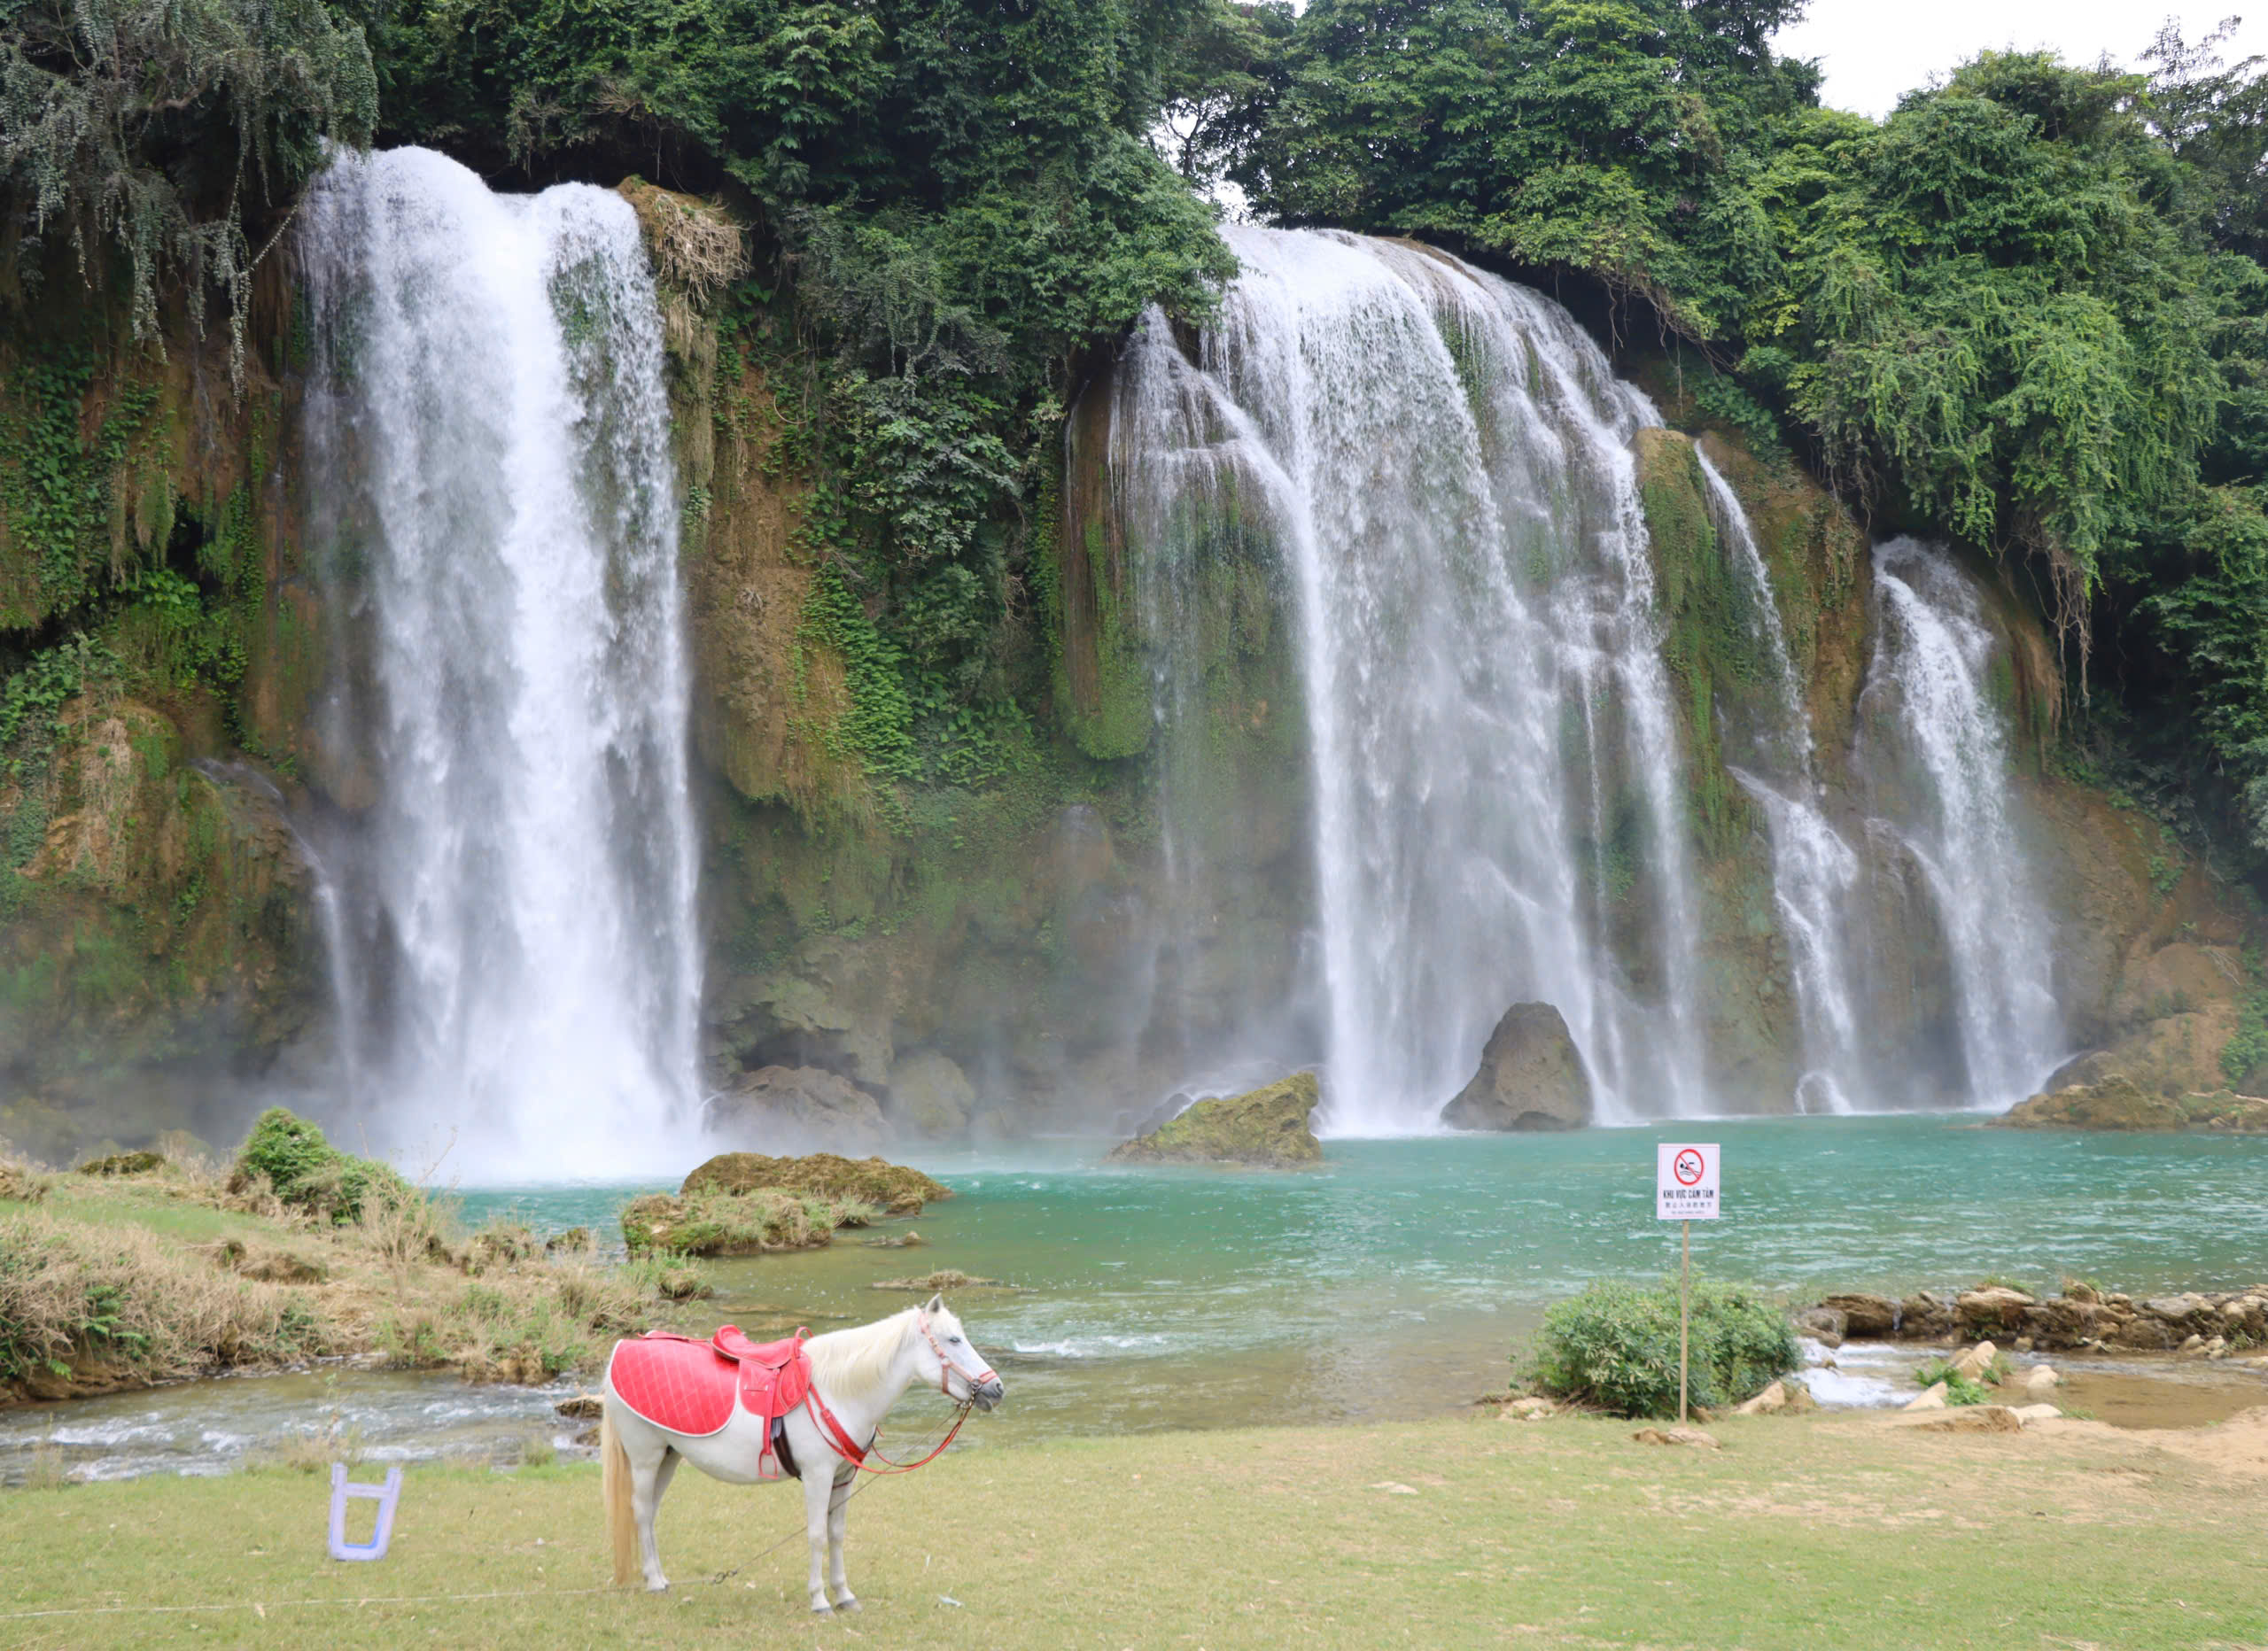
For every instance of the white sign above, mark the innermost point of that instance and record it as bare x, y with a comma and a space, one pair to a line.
1685, 1182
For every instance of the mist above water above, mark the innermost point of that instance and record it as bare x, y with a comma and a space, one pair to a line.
494, 521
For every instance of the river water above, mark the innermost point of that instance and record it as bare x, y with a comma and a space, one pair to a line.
1398, 1280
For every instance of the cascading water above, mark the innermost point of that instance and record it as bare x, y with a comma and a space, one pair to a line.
489, 454
1442, 460
1936, 756
1814, 874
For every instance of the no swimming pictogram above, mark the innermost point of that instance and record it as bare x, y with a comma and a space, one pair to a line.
1685, 1181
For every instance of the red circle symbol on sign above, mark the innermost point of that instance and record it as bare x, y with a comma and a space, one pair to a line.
1686, 1167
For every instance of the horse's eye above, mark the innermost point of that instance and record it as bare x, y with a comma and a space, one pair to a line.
955, 1340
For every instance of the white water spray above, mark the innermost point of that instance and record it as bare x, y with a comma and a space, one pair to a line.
489, 449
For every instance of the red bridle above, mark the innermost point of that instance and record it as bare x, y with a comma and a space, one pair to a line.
945, 1365
838, 1438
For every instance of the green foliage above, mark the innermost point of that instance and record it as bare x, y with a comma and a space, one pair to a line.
304, 1169
161, 134
1960, 1389
1615, 1347
1606, 137
2247, 1046
32, 696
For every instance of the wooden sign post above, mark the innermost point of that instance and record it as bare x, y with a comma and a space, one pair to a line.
1685, 1191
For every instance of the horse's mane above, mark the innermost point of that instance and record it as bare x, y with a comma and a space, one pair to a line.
854, 1360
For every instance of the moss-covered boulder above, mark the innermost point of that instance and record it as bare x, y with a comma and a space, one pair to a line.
892, 1189
2116, 1103
1531, 1077
124, 1164
710, 1222
1268, 1125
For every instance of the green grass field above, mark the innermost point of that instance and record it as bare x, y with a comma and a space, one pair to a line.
1802, 1534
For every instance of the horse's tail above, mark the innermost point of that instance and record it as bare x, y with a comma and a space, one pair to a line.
614, 1483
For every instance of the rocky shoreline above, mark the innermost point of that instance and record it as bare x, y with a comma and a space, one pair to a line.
2084, 1318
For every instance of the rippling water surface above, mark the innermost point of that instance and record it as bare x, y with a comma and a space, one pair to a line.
1397, 1279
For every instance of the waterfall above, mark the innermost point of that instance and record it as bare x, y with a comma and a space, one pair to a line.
492, 514
1936, 752
1814, 874
1442, 463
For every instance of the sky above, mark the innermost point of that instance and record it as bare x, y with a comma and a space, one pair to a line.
1873, 52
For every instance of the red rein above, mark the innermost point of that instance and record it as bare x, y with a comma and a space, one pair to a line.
838, 1437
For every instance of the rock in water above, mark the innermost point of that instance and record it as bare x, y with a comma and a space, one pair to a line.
1268, 1125
1530, 1077
2116, 1102
890, 1187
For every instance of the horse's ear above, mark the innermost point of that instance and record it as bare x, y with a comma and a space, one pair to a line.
937, 1304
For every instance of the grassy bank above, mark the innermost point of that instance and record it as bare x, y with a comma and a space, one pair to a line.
1799, 1534
192, 1268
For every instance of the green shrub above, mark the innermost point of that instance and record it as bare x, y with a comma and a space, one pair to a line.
1615, 1347
1960, 1389
304, 1170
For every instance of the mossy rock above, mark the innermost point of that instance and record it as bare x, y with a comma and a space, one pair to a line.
1266, 1126
892, 1189
2116, 1103
708, 1222
124, 1164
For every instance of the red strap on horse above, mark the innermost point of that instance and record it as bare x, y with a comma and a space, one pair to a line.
838, 1438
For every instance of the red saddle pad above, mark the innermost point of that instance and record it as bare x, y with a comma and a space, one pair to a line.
689, 1386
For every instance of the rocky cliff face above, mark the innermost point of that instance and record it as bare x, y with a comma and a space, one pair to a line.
158, 943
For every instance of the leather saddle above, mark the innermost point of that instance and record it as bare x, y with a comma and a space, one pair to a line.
691, 1387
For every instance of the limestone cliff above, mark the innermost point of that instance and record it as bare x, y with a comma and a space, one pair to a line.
163, 647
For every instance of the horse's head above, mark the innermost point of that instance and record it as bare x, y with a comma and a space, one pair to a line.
944, 1359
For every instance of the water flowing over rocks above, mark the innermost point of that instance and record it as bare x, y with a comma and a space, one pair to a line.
1268, 1127
1531, 1077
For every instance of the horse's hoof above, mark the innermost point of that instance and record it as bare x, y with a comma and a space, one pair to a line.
849, 1605
822, 1610
657, 1587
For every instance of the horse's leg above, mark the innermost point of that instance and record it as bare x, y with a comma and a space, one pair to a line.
650, 1468
818, 1489
844, 1600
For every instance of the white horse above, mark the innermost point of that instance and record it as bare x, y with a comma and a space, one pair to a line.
857, 1375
